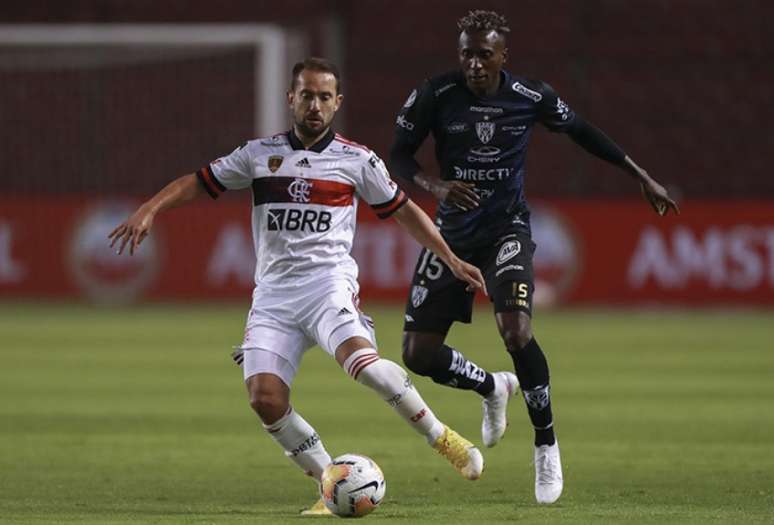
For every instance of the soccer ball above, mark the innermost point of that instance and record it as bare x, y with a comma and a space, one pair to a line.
352, 486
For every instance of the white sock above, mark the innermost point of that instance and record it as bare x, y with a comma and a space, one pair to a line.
392, 383
300, 442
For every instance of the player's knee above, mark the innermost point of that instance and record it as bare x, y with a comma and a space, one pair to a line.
517, 337
415, 358
269, 406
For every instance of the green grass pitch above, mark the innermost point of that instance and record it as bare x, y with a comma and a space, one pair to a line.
139, 416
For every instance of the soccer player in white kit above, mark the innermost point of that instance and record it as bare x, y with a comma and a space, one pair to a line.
306, 184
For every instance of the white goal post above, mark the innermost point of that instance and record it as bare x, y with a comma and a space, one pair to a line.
274, 49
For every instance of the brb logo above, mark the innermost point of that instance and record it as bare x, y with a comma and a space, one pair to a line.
295, 220
300, 190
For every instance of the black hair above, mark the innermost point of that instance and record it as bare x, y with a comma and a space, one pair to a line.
480, 20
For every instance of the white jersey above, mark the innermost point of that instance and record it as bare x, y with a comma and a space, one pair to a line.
304, 203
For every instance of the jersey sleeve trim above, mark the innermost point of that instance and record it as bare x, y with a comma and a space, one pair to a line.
211, 184
386, 209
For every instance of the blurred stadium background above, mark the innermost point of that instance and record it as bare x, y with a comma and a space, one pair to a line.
102, 102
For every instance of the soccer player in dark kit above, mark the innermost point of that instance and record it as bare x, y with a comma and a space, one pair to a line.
481, 118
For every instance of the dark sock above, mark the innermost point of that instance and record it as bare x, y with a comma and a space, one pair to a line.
451, 368
532, 370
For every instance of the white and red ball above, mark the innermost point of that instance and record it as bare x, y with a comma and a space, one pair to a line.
352, 485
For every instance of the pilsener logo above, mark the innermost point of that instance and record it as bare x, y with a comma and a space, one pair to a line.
281, 219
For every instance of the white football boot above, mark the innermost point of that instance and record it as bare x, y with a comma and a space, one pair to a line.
548, 473
495, 404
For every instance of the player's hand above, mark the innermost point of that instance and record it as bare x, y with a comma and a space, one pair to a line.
657, 196
468, 273
132, 231
456, 193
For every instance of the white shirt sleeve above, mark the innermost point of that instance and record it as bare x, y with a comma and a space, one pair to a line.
378, 189
232, 172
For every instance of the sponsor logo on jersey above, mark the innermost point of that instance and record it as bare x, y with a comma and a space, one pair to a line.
404, 123
445, 88
482, 174
411, 99
485, 109
282, 219
508, 251
485, 131
562, 108
274, 163
300, 190
418, 295
484, 155
484, 193
344, 150
276, 140
486, 151
303, 163
515, 130
456, 127
523, 90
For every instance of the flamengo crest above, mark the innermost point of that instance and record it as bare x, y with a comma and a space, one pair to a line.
300, 190
485, 131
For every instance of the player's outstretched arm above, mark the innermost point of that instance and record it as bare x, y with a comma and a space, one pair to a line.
134, 229
593, 140
654, 193
421, 227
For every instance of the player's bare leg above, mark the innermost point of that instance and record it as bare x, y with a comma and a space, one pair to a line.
270, 399
532, 370
362, 362
426, 354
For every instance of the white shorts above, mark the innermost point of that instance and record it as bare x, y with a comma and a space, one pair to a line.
284, 324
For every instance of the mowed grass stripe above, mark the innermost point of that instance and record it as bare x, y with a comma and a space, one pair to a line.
138, 415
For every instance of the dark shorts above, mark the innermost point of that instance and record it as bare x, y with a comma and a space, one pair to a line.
437, 298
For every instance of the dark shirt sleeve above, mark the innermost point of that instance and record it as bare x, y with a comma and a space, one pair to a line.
553, 112
412, 126
557, 116
595, 141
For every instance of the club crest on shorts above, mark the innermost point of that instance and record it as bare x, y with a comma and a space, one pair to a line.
418, 295
275, 161
508, 251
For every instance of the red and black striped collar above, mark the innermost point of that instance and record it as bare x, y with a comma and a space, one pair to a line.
317, 147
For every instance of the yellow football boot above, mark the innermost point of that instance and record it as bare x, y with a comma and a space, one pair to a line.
461, 453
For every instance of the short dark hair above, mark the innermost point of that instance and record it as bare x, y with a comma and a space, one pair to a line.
480, 20
315, 64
